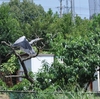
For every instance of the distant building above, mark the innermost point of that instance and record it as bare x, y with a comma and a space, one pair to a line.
94, 7
36, 63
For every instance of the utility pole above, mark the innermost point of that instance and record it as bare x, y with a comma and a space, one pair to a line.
32, 1
60, 8
72, 9
94, 6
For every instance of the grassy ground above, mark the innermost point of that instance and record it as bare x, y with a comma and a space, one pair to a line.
59, 96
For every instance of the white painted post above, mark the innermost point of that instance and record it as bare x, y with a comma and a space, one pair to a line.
98, 78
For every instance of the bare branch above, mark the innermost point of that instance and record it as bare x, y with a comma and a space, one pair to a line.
15, 76
21, 61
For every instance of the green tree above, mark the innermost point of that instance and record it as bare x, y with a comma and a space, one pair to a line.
11, 66
26, 12
9, 30
80, 55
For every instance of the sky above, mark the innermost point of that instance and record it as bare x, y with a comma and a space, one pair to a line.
81, 6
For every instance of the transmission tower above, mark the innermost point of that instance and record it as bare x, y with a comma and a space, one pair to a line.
69, 6
72, 9
61, 8
94, 7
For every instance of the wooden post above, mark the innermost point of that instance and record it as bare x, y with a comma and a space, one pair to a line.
91, 86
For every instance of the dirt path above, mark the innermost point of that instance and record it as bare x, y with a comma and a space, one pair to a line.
4, 96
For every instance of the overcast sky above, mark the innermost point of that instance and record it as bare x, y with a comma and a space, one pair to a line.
81, 6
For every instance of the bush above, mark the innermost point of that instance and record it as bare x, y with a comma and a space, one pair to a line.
2, 85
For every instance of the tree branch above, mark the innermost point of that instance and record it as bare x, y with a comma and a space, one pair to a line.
22, 61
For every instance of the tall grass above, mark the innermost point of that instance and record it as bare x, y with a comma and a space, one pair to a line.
66, 95
52, 93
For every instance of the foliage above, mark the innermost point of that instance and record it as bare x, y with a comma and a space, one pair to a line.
9, 30
75, 43
11, 66
22, 86
52, 93
2, 85
16, 20
26, 15
80, 59
80, 55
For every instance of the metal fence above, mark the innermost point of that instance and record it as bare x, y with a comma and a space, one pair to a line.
32, 95
45, 95
18, 95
